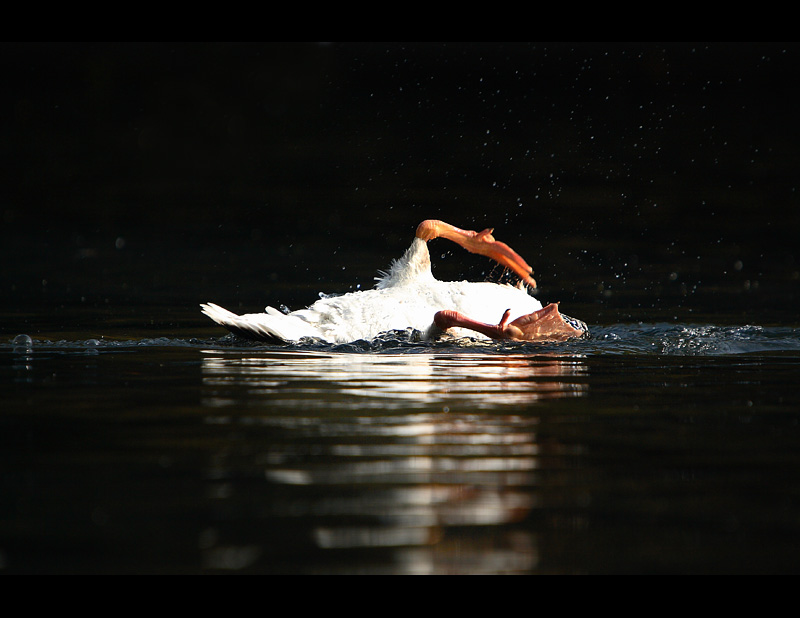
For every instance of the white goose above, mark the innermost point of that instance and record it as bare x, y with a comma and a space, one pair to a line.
408, 296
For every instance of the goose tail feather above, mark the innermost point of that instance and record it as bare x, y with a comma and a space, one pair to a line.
270, 326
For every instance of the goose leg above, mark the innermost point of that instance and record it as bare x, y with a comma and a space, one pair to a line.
546, 324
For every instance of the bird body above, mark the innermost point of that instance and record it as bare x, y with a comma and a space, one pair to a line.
407, 296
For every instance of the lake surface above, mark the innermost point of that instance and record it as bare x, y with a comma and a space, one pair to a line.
648, 448
653, 188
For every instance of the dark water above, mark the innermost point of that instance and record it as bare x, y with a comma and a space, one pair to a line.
650, 448
653, 188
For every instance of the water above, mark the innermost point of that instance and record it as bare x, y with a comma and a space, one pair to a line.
647, 448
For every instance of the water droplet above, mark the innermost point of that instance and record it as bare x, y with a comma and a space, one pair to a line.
23, 341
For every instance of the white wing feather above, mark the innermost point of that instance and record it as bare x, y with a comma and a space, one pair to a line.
407, 296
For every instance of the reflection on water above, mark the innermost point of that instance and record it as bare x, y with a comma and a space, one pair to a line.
393, 451
390, 381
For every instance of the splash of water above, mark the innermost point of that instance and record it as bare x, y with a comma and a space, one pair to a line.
660, 339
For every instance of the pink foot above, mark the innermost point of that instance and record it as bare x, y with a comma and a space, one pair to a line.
547, 324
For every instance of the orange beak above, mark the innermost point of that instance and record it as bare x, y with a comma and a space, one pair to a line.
482, 243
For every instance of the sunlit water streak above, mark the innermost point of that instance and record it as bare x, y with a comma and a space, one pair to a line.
410, 444
391, 381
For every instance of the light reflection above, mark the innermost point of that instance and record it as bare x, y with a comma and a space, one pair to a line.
398, 453
399, 381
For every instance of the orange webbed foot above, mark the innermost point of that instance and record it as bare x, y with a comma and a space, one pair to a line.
546, 324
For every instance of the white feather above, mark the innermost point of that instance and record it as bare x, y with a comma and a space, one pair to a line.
407, 296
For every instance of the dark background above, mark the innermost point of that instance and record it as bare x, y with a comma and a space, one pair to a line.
642, 181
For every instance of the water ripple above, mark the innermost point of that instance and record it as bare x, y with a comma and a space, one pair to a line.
663, 339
